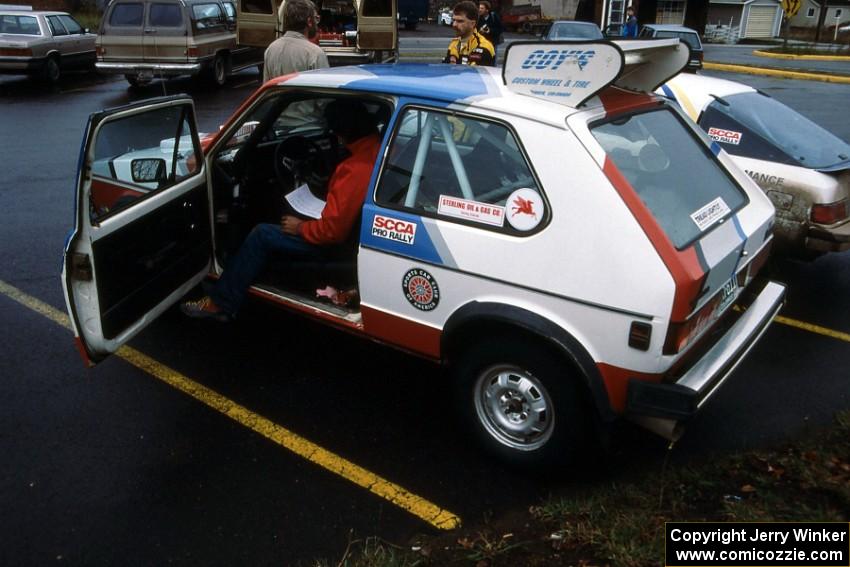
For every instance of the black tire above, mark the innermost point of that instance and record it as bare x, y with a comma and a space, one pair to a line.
51, 71
500, 385
218, 71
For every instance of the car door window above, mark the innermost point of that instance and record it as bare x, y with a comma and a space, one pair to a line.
460, 168
71, 24
56, 27
207, 16
140, 155
165, 15
126, 14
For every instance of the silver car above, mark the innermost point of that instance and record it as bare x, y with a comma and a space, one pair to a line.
43, 44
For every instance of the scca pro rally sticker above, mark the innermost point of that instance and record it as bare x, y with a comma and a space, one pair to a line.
525, 209
420, 289
394, 229
724, 136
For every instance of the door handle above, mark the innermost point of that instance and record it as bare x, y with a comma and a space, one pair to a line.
150, 30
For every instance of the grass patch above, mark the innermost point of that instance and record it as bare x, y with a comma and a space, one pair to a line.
622, 523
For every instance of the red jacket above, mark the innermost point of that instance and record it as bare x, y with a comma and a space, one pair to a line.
346, 194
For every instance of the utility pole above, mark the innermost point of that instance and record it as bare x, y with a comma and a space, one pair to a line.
821, 19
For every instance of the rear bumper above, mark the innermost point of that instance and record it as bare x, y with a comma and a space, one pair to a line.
170, 69
21, 65
650, 404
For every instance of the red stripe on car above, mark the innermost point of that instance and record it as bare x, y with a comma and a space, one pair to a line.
683, 265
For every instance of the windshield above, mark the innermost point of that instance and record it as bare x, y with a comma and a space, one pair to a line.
673, 172
574, 31
690, 38
801, 140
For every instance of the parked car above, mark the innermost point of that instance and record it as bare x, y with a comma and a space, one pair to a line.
43, 44
615, 31
687, 35
570, 257
803, 168
445, 17
564, 29
147, 39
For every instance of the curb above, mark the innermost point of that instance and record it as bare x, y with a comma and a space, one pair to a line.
777, 73
760, 53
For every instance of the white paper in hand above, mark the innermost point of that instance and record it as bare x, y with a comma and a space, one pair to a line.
304, 202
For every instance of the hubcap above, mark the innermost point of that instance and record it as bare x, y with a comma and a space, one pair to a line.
514, 407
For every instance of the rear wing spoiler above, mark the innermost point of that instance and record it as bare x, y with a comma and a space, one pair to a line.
571, 72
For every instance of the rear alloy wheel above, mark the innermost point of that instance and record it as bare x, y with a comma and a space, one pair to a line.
523, 403
51, 71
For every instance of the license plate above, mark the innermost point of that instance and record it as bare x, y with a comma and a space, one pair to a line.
728, 294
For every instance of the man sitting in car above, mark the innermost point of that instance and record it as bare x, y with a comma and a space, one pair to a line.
296, 239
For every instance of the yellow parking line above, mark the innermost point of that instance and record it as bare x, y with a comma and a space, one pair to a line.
813, 328
393, 493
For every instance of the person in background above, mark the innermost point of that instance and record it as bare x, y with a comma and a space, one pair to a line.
294, 238
294, 51
469, 47
489, 24
631, 27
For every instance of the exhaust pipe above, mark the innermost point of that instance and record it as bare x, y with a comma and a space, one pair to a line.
670, 429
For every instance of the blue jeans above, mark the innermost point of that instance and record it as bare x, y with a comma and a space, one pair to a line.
243, 268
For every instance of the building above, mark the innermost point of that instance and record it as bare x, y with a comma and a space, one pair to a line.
748, 18
805, 22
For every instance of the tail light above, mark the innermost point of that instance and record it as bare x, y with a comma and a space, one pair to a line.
16, 51
193, 52
831, 213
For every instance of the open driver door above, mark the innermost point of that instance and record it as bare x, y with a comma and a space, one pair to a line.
142, 236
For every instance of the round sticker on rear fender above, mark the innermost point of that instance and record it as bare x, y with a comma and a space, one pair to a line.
525, 209
420, 289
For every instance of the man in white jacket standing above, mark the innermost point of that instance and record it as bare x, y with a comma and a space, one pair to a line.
293, 51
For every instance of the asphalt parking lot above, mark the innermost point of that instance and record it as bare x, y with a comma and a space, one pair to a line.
273, 440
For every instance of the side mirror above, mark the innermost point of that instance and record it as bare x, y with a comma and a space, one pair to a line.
148, 170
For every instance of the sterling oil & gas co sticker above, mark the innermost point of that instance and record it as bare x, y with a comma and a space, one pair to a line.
525, 209
394, 229
724, 136
707, 215
471, 210
420, 289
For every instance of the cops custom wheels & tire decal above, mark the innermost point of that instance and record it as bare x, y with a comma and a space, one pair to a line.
521, 402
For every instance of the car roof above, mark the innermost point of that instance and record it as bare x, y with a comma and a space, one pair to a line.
670, 27
576, 22
694, 92
24, 12
441, 83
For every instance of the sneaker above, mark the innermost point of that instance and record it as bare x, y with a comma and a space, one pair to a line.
205, 308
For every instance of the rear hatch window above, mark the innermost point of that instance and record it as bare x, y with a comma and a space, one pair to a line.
165, 15
127, 14
19, 25
673, 172
764, 128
